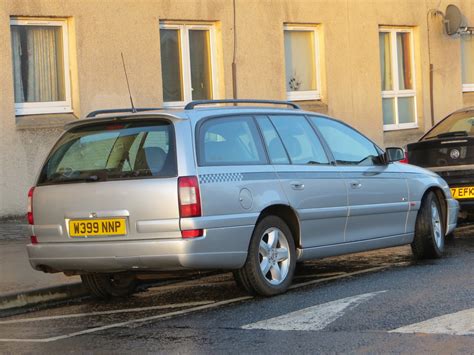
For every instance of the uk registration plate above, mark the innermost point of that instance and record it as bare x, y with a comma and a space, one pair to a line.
462, 192
97, 227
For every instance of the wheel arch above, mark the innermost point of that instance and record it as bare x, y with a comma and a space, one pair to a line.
442, 202
288, 215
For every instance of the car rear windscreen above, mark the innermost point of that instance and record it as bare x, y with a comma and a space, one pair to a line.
112, 151
459, 123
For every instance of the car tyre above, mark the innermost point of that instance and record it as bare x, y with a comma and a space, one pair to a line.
429, 238
109, 285
271, 259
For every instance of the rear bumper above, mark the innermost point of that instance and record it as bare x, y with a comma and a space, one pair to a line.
453, 212
460, 179
220, 248
466, 205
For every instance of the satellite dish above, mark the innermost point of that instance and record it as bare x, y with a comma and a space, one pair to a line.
454, 20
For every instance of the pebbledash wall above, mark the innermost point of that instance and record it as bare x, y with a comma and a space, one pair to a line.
348, 64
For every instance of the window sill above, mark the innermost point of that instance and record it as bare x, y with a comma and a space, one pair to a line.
390, 128
303, 95
468, 88
56, 120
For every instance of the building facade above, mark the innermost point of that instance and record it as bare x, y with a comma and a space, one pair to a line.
386, 67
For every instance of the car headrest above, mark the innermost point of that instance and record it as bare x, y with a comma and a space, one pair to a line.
150, 158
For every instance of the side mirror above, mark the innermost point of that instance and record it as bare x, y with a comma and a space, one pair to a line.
393, 154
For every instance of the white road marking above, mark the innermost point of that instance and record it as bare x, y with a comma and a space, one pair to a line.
327, 274
127, 323
194, 283
195, 309
313, 318
125, 310
343, 276
459, 323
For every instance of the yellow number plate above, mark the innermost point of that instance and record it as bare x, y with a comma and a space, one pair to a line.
462, 192
97, 227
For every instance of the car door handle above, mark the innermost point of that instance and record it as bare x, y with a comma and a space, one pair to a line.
297, 185
356, 185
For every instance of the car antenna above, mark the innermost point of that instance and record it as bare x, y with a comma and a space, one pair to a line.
134, 110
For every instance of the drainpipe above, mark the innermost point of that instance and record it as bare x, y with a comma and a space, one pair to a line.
431, 95
432, 12
234, 63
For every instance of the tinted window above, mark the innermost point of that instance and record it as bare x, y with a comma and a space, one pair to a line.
462, 123
275, 148
112, 151
347, 145
300, 140
230, 141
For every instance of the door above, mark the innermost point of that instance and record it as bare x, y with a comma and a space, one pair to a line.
377, 193
235, 177
312, 185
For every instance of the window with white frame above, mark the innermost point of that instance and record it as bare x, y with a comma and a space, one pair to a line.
302, 62
467, 60
397, 67
40, 66
188, 63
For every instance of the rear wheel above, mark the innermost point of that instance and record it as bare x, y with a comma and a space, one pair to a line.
109, 285
271, 259
429, 229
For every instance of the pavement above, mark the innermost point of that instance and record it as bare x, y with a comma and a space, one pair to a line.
20, 285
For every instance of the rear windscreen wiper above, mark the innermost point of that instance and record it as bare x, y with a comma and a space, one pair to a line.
60, 178
134, 173
450, 135
453, 134
92, 178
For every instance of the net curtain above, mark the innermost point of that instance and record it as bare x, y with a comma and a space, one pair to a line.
37, 67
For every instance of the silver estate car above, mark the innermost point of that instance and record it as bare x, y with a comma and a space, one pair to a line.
250, 189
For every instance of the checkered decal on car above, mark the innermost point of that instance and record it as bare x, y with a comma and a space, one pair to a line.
224, 177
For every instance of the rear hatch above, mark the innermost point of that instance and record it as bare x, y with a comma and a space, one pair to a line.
442, 152
448, 149
114, 180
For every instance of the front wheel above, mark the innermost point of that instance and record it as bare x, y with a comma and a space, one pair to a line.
271, 259
429, 229
109, 285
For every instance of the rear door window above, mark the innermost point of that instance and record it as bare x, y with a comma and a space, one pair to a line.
300, 140
112, 151
230, 141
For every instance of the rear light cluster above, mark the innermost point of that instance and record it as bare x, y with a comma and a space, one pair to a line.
405, 160
189, 203
31, 219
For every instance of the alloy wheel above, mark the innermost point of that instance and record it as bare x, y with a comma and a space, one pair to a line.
274, 256
436, 224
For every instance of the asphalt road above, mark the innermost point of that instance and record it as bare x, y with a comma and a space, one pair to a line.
376, 302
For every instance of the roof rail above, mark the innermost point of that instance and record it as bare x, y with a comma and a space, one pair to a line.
121, 110
193, 104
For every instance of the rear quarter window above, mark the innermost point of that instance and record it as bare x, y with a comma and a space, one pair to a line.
230, 141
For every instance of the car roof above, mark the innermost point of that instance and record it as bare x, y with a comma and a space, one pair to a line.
464, 109
194, 114
203, 112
